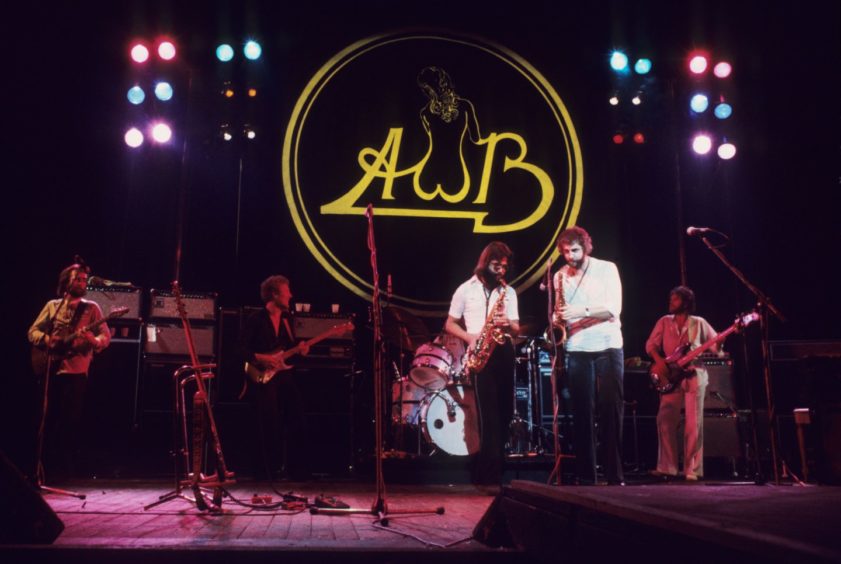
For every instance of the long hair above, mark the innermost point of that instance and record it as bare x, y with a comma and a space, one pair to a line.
687, 296
66, 275
495, 250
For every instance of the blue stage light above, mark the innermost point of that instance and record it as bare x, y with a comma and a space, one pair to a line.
642, 66
699, 103
163, 91
252, 50
136, 95
224, 52
619, 61
723, 110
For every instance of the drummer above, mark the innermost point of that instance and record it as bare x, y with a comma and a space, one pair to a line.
473, 303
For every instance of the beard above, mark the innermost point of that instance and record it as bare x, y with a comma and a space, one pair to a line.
77, 291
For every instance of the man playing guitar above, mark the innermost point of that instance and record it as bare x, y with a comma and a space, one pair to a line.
673, 331
54, 336
277, 401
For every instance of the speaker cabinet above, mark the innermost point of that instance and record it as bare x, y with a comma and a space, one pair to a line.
721, 393
111, 402
170, 339
25, 518
112, 298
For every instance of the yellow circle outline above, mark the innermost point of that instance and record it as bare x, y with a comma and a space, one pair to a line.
317, 83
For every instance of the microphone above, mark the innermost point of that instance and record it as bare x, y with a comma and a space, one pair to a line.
98, 281
696, 231
544, 285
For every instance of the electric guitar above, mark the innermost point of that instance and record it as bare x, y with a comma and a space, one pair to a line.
264, 375
61, 346
667, 374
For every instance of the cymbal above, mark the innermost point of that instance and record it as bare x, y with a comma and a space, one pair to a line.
404, 329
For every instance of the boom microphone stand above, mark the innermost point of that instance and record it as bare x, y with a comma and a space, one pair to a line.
764, 306
379, 507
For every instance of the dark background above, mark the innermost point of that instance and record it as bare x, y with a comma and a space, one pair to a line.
72, 186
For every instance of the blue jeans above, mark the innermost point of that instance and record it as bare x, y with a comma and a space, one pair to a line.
595, 381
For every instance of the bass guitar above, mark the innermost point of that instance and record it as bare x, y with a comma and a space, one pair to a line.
264, 375
667, 374
61, 346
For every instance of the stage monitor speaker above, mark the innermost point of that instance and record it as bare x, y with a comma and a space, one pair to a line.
25, 518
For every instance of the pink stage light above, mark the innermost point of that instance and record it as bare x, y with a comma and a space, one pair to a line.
722, 69
134, 138
702, 144
698, 64
161, 133
139, 53
166, 50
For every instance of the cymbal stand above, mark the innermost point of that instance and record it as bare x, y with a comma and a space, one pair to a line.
181, 450
379, 507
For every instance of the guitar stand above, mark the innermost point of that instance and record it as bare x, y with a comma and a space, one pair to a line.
207, 484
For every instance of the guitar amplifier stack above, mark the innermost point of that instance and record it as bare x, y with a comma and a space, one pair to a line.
338, 350
164, 331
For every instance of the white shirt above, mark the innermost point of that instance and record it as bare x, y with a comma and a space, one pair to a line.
599, 286
473, 302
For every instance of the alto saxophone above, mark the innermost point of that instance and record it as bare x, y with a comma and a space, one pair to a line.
490, 336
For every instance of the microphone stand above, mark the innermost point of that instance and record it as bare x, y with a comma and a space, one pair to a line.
765, 307
379, 507
39, 462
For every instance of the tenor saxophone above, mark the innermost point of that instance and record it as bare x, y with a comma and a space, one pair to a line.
490, 336
559, 326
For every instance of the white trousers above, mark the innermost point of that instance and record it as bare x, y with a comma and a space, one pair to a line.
689, 396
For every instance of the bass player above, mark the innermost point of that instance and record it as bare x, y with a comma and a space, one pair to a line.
672, 332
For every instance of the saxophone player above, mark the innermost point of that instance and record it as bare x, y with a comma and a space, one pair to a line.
487, 308
592, 298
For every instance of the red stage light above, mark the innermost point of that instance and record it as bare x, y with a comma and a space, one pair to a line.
639, 138
618, 138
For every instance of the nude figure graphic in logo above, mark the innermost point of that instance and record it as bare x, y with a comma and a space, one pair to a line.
447, 118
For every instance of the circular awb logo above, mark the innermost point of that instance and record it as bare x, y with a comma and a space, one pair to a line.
452, 141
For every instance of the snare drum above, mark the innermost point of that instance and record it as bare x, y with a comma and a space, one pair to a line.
431, 367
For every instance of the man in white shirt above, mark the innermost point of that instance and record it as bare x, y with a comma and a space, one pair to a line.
485, 299
594, 367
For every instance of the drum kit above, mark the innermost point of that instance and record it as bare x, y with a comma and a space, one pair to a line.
433, 407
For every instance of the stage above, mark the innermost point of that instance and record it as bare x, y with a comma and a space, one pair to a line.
527, 521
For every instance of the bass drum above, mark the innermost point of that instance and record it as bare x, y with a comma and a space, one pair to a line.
450, 420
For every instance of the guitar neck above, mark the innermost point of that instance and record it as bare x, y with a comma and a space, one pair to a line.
695, 353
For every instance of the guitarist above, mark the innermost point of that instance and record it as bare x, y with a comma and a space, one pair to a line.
671, 332
277, 403
68, 364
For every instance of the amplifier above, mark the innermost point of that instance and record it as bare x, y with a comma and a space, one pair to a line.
111, 298
721, 393
170, 339
198, 306
309, 325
